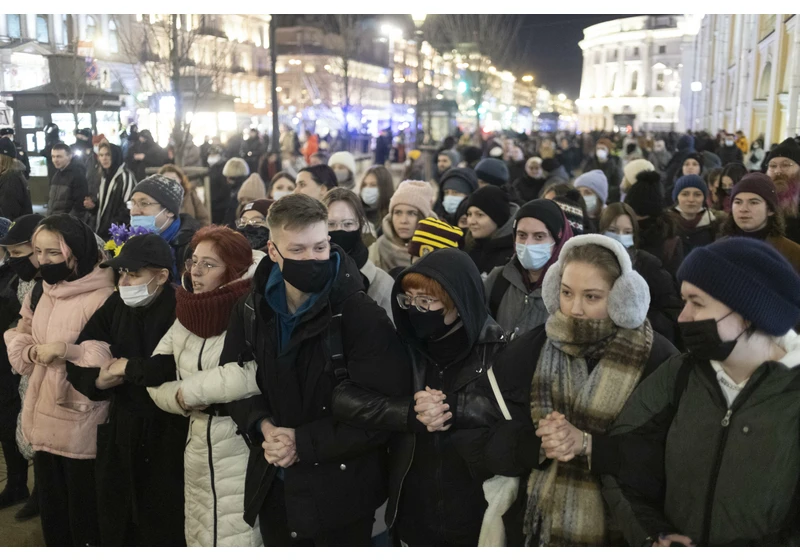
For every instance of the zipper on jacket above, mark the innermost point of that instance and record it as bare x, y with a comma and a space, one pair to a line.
402, 480
200, 356
439, 469
211, 472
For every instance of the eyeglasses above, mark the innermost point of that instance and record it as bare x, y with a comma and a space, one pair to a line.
422, 302
785, 166
347, 225
202, 266
241, 222
131, 204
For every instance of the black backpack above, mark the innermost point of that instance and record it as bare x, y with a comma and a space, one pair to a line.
36, 294
499, 289
334, 337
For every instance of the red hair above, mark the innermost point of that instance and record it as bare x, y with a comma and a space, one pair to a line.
232, 247
429, 286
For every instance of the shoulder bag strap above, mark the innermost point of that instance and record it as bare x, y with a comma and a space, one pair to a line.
497, 395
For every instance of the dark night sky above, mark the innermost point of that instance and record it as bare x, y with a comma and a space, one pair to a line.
548, 47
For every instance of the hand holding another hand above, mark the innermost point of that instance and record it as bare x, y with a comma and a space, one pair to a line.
431, 409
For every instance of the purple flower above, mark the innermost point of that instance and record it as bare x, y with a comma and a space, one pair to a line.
120, 233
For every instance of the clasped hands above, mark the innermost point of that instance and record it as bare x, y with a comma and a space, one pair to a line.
431, 409
112, 375
46, 354
560, 439
280, 448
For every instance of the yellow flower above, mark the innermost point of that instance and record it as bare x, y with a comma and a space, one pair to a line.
118, 249
110, 245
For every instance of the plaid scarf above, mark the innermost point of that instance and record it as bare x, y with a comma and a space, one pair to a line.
565, 506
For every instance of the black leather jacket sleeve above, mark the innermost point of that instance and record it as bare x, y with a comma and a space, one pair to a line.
361, 407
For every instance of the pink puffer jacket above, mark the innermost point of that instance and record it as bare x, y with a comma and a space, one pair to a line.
55, 417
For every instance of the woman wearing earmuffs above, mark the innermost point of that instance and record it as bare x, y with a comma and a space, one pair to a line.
564, 383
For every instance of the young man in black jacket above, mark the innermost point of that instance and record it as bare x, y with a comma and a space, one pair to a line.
311, 480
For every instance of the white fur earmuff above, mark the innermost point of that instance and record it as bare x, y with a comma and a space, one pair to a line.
629, 299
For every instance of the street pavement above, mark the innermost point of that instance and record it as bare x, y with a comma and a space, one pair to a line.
13, 532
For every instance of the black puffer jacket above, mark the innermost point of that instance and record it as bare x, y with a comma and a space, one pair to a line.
665, 301
341, 473
9, 382
68, 189
15, 198
435, 483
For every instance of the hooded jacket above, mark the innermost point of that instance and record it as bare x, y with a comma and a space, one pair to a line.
435, 480
154, 156
15, 198
721, 475
116, 187
55, 417
68, 189
340, 477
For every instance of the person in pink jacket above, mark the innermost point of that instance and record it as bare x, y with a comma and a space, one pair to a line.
61, 423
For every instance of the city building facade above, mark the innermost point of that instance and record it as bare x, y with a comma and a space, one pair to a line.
745, 75
634, 72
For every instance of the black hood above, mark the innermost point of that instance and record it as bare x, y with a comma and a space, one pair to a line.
459, 276
116, 161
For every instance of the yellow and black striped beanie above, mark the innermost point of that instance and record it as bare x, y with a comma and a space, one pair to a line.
432, 234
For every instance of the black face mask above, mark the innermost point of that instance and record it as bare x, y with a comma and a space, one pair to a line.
310, 276
256, 236
23, 267
702, 340
55, 273
429, 325
347, 240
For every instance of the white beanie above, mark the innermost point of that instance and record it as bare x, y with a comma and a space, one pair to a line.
632, 170
343, 158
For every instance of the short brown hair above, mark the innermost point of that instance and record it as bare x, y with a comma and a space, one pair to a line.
614, 211
417, 281
341, 194
596, 256
296, 212
171, 168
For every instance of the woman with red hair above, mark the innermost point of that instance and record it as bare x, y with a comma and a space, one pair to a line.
215, 457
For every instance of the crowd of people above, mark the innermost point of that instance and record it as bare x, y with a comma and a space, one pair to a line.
539, 341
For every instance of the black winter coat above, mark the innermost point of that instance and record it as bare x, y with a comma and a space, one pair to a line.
220, 193
513, 447
9, 382
700, 235
665, 301
15, 198
723, 475
341, 473
154, 156
139, 469
68, 189
528, 188
435, 481
730, 154
489, 253
180, 243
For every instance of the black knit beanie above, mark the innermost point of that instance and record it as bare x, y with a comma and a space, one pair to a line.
751, 278
789, 148
546, 211
492, 201
645, 196
461, 179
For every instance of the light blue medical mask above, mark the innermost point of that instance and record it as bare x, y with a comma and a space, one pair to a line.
534, 257
451, 203
591, 202
147, 222
626, 239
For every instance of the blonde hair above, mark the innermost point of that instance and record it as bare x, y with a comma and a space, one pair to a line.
62, 245
6, 163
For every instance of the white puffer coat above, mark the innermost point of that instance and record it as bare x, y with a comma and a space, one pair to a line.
215, 458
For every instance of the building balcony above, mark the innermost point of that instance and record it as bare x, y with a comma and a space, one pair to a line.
211, 31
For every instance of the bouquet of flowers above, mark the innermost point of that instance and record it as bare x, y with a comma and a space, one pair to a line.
120, 233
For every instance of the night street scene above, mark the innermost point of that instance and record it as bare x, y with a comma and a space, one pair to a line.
400, 280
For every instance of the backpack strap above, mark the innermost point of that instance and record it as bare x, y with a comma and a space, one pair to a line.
337, 348
36, 294
499, 289
249, 329
681, 382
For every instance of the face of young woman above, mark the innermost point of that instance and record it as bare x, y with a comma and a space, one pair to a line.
481, 225
436, 306
306, 185
690, 201
584, 292
691, 167
208, 268
282, 187
750, 212
341, 217
622, 225
699, 306
47, 248
404, 221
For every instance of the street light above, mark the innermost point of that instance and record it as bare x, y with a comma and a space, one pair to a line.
419, 21
527, 79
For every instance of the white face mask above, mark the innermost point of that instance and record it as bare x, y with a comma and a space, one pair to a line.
451, 203
214, 160
277, 195
137, 296
342, 176
729, 143
626, 239
370, 195
591, 202
602, 155
534, 257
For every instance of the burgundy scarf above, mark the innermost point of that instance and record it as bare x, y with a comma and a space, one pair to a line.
208, 314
